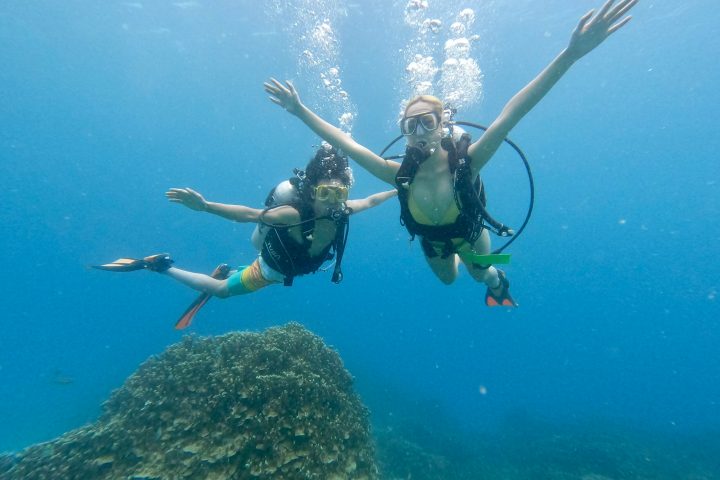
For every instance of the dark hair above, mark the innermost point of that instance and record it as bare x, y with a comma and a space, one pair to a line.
327, 164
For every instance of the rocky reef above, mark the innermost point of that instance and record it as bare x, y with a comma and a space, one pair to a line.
525, 447
274, 405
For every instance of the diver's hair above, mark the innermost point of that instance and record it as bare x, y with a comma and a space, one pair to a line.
327, 164
437, 104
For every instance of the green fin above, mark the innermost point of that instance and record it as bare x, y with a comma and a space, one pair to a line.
489, 259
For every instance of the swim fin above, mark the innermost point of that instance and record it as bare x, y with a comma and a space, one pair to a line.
504, 299
157, 263
122, 265
221, 273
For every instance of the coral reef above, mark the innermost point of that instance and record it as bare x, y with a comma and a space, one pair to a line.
275, 405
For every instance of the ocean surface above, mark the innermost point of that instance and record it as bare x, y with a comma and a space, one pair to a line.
105, 105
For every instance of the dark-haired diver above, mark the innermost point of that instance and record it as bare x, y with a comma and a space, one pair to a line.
302, 227
430, 179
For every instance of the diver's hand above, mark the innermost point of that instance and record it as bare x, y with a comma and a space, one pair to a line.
284, 95
188, 197
592, 30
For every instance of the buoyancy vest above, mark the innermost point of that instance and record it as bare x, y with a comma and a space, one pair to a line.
468, 191
284, 254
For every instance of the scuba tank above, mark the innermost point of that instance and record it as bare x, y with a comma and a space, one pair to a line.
285, 193
288, 193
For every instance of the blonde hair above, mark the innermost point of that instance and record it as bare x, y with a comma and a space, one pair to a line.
436, 103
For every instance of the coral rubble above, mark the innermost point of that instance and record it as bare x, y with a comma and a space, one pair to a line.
274, 405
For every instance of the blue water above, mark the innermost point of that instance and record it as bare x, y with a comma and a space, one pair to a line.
104, 105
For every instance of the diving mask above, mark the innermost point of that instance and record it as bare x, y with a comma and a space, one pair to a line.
331, 193
429, 122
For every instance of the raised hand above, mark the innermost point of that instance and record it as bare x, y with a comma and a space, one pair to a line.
284, 95
188, 197
592, 29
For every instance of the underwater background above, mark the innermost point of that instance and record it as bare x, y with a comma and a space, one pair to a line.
105, 105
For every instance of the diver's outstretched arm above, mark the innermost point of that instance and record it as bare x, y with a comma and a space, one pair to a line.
590, 32
369, 202
287, 97
195, 201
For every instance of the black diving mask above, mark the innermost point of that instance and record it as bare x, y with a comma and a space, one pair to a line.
427, 121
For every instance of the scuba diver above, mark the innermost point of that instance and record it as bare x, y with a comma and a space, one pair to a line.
305, 224
437, 177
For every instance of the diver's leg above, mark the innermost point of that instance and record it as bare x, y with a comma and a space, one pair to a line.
497, 284
199, 281
446, 269
247, 280
251, 279
486, 274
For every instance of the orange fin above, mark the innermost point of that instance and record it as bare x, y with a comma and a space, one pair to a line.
221, 272
503, 298
490, 301
187, 317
